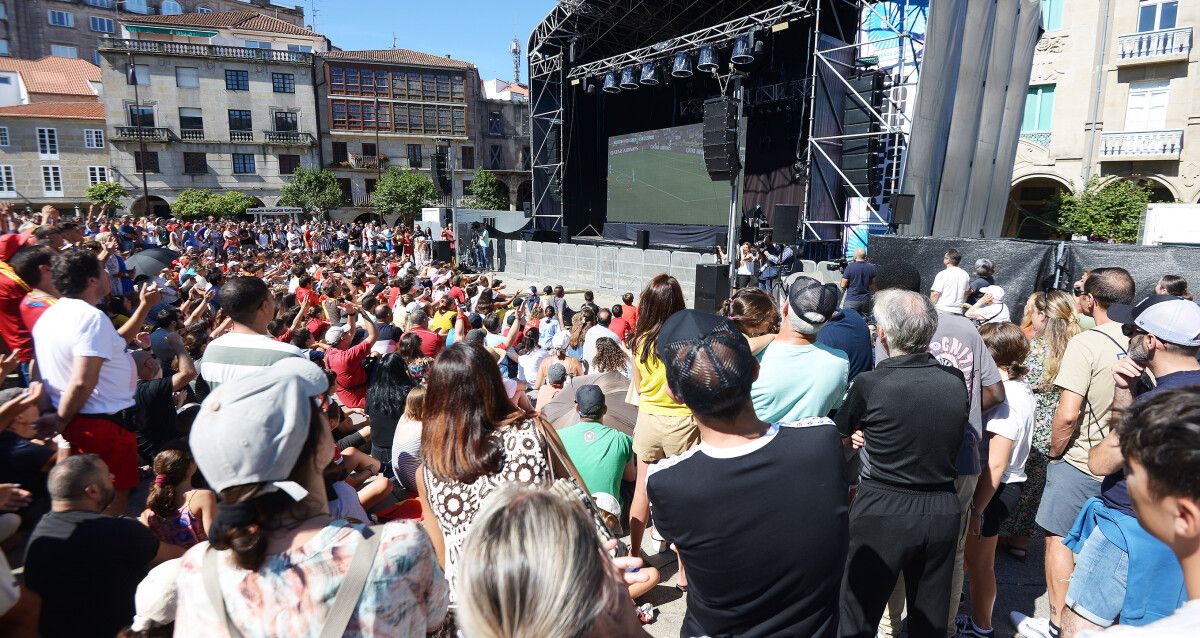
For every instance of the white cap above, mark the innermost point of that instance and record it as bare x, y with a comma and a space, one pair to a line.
995, 291
560, 340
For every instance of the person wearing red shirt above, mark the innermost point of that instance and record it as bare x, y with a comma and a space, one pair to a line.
456, 292
619, 324
431, 342
629, 312
448, 235
304, 292
33, 267
347, 361
13, 289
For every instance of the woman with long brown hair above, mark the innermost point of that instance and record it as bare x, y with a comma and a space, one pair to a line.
473, 441
1053, 319
664, 427
177, 513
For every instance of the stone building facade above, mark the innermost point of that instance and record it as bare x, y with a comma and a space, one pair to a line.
1113, 94
50, 153
504, 138
31, 29
227, 102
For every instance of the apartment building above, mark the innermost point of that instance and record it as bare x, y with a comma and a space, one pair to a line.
52, 135
1113, 94
396, 107
220, 101
32, 29
504, 131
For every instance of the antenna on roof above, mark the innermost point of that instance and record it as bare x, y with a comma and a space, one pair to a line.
313, 11
515, 49
393, 39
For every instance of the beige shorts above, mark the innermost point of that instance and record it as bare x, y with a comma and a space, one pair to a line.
657, 436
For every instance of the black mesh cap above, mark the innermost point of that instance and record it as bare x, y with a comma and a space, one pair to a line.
708, 361
811, 301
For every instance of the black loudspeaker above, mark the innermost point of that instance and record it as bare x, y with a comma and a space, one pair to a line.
902, 208
564, 235
721, 240
442, 251
712, 286
785, 226
464, 244
721, 138
441, 170
643, 239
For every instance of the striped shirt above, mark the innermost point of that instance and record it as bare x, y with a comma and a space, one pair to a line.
236, 355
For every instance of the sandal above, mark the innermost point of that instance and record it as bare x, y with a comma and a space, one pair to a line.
1018, 553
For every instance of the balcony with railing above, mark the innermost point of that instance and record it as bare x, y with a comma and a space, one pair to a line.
191, 134
241, 136
146, 133
1149, 47
160, 47
1141, 145
288, 138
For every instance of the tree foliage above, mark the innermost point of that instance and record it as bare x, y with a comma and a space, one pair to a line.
316, 191
403, 192
1110, 210
486, 192
198, 202
110, 193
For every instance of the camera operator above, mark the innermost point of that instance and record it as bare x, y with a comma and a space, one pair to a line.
778, 262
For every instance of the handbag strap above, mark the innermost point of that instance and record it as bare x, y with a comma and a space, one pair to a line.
353, 584
560, 463
212, 587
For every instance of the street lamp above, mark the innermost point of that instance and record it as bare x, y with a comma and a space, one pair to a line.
131, 74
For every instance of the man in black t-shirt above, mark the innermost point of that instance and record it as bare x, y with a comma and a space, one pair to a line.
912, 412
85, 566
856, 280
757, 511
154, 397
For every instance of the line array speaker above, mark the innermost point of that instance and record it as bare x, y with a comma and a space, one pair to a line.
786, 224
721, 138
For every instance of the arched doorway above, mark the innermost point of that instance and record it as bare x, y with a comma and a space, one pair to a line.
505, 191
1030, 210
1160, 193
158, 207
524, 194
366, 218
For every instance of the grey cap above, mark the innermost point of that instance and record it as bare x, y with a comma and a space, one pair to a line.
334, 334
811, 303
556, 374
252, 431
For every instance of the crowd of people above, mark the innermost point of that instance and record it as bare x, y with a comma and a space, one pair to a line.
313, 429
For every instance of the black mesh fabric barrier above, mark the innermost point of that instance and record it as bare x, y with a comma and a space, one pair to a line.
1145, 263
1022, 266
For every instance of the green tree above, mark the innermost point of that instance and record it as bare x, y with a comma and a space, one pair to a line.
486, 192
315, 191
1106, 210
110, 193
404, 193
194, 202
232, 203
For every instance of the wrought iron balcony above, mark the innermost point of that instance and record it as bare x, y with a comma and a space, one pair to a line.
159, 47
288, 138
147, 133
1041, 138
1167, 45
241, 136
191, 134
1141, 145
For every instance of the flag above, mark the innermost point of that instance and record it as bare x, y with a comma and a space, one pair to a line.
131, 74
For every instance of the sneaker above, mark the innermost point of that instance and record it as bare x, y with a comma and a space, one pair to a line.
1030, 627
646, 613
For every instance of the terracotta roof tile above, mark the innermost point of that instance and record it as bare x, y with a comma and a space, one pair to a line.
60, 110
247, 20
52, 74
400, 56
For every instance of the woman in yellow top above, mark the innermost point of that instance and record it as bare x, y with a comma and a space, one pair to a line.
664, 428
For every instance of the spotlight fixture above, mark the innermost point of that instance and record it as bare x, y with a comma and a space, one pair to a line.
682, 67
708, 60
743, 49
649, 75
610, 83
589, 87
627, 81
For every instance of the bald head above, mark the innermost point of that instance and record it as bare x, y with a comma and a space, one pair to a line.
860, 254
71, 477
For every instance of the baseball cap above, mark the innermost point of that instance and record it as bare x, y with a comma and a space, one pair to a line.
334, 334
253, 431
559, 340
155, 600
811, 303
589, 399
556, 374
708, 361
1172, 319
995, 291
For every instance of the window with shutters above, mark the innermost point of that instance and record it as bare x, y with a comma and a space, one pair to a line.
1039, 109
62, 18
187, 77
195, 163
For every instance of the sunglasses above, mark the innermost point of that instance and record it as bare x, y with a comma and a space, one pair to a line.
1129, 330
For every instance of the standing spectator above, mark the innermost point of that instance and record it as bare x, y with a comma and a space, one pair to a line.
280, 559
1009, 431
949, 288
603, 456
89, 377
601, 329
799, 377
12, 290
792, 469
628, 310
847, 331
33, 267
561, 309
248, 347
1080, 422
1121, 570
346, 361
1173, 285
619, 325
154, 398
912, 412
857, 281
985, 272
76, 553
472, 442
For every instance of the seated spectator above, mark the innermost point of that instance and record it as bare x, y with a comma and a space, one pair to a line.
530, 354
248, 346
603, 456
385, 405
532, 566
406, 444
793, 470
600, 330
280, 557
558, 354
24, 458
556, 376
416, 361
619, 325
990, 307
176, 512
610, 357
76, 553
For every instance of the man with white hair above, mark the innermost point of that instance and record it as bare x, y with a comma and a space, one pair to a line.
799, 377
910, 414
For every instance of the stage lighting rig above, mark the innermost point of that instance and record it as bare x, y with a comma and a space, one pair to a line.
610, 83
708, 60
627, 80
682, 67
649, 75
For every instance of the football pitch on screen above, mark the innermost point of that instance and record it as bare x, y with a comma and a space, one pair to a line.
664, 187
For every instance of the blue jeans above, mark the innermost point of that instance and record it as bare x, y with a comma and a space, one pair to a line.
23, 373
481, 257
1098, 584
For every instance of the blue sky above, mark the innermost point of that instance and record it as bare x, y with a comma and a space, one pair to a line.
478, 31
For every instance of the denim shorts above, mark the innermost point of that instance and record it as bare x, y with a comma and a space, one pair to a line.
1098, 584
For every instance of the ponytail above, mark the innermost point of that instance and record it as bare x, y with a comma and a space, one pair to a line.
170, 469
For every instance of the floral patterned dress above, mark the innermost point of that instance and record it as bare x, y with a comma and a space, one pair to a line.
1021, 522
455, 504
